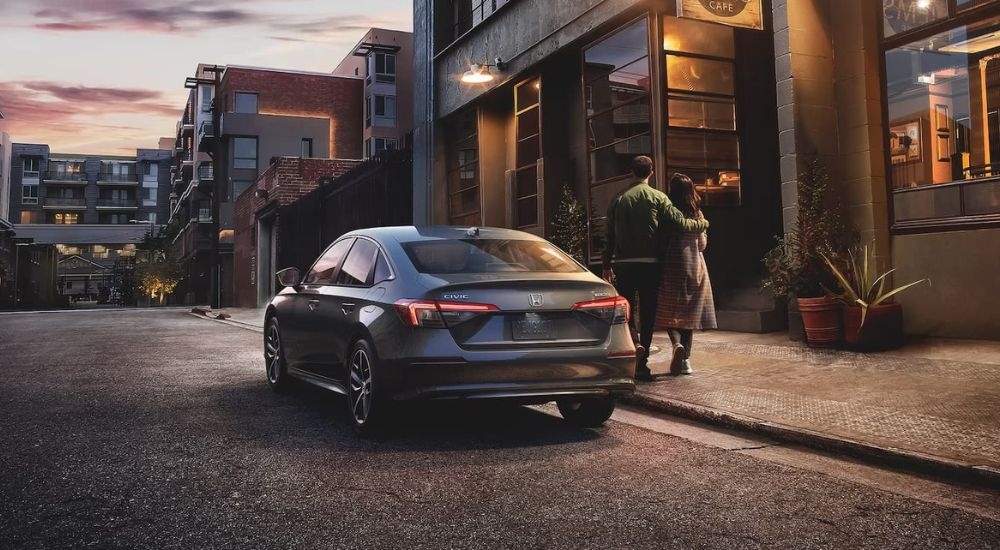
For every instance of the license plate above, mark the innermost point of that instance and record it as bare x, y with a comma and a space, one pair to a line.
532, 327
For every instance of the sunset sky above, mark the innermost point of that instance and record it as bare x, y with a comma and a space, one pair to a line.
107, 76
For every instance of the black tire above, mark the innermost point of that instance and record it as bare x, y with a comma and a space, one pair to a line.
367, 408
587, 412
274, 357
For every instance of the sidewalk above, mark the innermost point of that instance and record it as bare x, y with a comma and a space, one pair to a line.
933, 404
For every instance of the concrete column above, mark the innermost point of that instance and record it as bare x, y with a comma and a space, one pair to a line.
829, 106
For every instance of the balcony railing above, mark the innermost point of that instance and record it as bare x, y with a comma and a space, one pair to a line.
118, 179
62, 202
76, 177
116, 203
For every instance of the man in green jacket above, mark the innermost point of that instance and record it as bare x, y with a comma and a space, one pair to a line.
640, 221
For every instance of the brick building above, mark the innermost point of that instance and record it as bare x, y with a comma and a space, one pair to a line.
257, 221
237, 119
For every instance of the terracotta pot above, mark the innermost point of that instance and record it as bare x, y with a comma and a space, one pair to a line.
883, 328
822, 318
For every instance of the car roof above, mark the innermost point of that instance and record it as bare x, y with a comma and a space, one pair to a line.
408, 233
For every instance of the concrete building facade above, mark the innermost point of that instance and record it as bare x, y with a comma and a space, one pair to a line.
384, 58
94, 208
894, 98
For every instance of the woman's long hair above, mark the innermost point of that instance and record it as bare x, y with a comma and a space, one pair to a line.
684, 196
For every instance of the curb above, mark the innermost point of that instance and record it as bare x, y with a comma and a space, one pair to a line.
910, 460
226, 320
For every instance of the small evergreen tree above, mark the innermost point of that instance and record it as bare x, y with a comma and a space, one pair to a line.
570, 226
795, 266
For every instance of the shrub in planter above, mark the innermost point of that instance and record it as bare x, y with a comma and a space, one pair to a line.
795, 266
871, 321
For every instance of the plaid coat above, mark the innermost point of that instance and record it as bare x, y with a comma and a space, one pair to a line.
685, 299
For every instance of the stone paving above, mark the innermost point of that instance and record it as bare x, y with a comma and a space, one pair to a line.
909, 399
936, 397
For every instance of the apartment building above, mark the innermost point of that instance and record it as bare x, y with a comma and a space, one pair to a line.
235, 121
897, 99
90, 207
384, 58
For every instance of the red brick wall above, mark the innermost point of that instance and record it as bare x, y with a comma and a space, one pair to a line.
341, 99
284, 181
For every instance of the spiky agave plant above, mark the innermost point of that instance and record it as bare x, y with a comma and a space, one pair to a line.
860, 283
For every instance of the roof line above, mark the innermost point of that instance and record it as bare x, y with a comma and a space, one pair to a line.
291, 71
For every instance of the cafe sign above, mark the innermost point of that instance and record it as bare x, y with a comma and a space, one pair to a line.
735, 13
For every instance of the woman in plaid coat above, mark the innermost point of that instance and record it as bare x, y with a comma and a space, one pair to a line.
685, 301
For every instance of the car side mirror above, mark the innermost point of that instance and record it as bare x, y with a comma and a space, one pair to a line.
289, 277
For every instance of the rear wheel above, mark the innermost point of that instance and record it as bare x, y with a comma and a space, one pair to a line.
587, 412
366, 406
274, 356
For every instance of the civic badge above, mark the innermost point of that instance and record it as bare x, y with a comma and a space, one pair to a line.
535, 300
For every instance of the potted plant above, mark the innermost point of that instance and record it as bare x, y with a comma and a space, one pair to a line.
871, 320
795, 266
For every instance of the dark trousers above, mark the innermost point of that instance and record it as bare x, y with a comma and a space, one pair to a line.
642, 279
682, 336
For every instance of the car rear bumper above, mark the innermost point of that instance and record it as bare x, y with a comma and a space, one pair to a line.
521, 381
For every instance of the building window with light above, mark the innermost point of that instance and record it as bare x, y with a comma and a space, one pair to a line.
943, 112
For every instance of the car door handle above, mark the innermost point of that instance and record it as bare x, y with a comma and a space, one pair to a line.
347, 307
313, 305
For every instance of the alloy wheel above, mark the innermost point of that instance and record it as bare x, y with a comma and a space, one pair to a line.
361, 386
272, 354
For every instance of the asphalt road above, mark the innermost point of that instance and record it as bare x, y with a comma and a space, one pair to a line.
156, 429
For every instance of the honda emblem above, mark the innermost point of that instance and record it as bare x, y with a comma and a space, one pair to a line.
535, 300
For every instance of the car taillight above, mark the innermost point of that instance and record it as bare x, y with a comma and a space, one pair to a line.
613, 310
437, 314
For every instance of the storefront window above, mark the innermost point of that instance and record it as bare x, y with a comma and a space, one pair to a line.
943, 96
701, 108
527, 108
462, 133
617, 100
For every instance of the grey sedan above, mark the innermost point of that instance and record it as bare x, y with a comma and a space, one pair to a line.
394, 314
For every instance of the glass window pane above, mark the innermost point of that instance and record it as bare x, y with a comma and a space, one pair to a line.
618, 88
904, 15
694, 112
703, 150
358, 266
692, 74
245, 103
322, 272
692, 36
616, 160
618, 50
528, 151
624, 122
943, 101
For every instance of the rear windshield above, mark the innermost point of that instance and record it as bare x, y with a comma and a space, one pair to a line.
488, 256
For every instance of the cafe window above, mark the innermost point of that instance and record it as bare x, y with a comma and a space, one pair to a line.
701, 108
524, 184
904, 15
617, 102
464, 207
943, 137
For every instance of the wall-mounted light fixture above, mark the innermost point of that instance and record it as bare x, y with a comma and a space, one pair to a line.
479, 73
